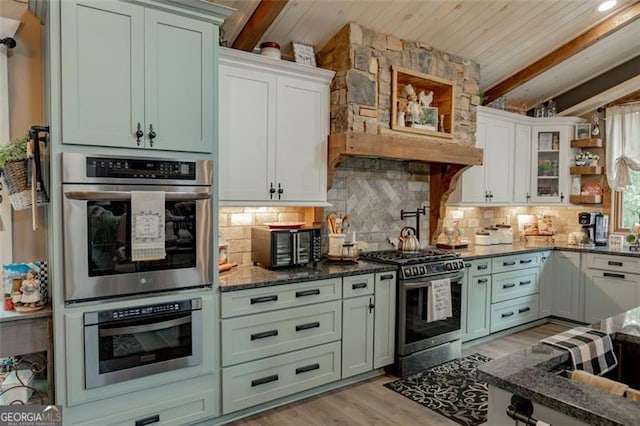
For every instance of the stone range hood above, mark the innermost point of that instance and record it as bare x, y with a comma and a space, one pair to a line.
361, 108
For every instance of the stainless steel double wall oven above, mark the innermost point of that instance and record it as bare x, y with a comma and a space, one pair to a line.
136, 341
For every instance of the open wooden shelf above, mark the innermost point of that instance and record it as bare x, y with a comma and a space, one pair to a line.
585, 199
587, 143
443, 100
586, 170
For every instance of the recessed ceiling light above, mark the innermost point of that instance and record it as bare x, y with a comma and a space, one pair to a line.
606, 5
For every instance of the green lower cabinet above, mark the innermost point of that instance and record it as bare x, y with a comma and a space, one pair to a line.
476, 300
357, 335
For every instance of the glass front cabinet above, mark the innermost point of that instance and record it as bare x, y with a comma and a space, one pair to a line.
551, 151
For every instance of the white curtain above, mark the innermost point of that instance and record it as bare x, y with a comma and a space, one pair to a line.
623, 144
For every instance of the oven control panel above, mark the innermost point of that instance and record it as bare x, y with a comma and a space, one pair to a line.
129, 168
134, 312
431, 269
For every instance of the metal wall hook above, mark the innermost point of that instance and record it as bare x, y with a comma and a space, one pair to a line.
10, 42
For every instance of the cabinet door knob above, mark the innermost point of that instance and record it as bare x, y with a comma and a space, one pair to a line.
561, 196
139, 133
272, 190
152, 134
280, 191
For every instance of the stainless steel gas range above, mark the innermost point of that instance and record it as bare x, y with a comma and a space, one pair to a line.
424, 337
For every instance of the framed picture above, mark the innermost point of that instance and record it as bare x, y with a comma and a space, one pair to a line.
428, 118
616, 241
304, 54
583, 131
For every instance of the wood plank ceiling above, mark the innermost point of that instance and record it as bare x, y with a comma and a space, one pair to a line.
505, 37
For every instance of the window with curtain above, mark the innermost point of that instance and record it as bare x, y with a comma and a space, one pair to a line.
623, 162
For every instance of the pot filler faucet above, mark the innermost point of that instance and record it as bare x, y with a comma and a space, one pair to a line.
416, 213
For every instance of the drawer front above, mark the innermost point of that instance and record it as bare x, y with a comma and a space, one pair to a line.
612, 263
252, 301
272, 333
260, 381
357, 285
515, 262
478, 267
509, 285
510, 313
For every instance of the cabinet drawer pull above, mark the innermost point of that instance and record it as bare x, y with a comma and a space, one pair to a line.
268, 379
613, 263
306, 368
386, 277
525, 282
612, 275
483, 280
510, 314
481, 267
308, 326
526, 260
467, 265
358, 286
264, 299
510, 263
303, 293
523, 310
510, 285
264, 334
148, 420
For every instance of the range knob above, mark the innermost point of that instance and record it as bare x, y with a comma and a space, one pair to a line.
447, 266
407, 272
421, 270
414, 271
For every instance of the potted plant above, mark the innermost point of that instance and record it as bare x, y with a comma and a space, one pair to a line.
13, 166
15, 150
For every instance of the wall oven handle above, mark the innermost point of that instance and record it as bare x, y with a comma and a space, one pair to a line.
145, 328
126, 195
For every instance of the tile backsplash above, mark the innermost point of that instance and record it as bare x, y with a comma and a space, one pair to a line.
474, 218
235, 226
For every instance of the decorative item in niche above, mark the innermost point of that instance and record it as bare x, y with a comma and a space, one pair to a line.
583, 131
422, 103
304, 54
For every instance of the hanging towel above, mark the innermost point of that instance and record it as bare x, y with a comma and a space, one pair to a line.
590, 350
147, 225
439, 300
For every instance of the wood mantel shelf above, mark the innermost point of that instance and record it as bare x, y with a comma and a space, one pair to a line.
452, 157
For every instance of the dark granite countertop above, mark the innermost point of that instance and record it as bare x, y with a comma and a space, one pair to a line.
478, 252
530, 373
246, 277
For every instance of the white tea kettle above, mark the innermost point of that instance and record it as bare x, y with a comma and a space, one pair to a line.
407, 241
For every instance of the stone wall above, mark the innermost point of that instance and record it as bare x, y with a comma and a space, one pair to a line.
361, 89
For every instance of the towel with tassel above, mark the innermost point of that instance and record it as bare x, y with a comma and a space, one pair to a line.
147, 225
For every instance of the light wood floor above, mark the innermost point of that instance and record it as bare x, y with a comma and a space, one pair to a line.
370, 403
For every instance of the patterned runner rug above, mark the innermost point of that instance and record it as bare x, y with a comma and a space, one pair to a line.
450, 389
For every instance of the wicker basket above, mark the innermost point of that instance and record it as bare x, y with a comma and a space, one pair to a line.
15, 176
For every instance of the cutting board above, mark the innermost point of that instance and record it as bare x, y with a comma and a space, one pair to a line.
226, 267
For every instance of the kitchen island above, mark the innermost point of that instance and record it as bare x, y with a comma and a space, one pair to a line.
536, 373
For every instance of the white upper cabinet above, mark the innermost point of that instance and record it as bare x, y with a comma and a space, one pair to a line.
274, 125
550, 153
526, 160
134, 77
493, 181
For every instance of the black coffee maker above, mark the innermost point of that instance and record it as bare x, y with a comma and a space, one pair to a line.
594, 225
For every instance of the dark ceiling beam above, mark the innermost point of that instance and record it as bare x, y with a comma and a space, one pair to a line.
598, 84
581, 42
258, 24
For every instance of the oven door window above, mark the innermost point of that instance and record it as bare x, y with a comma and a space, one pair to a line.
109, 238
417, 324
130, 344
